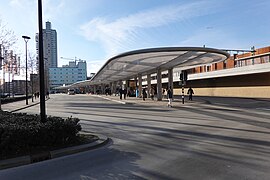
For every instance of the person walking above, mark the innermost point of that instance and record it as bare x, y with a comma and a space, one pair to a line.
144, 94
190, 93
125, 93
120, 93
48, 95
152, 93
169, 94
163, 93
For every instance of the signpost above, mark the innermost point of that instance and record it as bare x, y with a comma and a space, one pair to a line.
183, 78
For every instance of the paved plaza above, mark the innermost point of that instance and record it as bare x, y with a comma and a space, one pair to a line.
208, 138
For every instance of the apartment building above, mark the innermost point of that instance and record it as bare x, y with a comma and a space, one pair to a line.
68, 74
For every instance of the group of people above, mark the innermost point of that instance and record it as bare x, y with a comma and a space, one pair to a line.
170, 95
190, 92
108, 91
36, 95
123, 92
152, 93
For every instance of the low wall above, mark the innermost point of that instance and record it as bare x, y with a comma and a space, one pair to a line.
249, 92
251, 86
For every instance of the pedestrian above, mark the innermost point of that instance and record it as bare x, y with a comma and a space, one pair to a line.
116, 91
169, 94
163, 93
120, 93
35, 94
144, 94
152, 93
190, 93
106, 91
125, 93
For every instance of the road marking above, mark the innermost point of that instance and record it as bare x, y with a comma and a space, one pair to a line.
221, 104
112, 100
268, 109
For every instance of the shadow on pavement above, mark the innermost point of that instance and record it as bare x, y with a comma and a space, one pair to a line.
114, 106
230, 117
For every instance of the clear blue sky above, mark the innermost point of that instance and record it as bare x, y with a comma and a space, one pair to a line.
95, 30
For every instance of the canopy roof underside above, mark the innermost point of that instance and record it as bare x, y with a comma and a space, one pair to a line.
146, 61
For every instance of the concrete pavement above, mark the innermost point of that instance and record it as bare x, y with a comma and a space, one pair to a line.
177, 102
28, 159
19, 105
195, 141
259, 104
248, 103
229, 102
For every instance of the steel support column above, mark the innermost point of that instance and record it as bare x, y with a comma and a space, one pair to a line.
159, 85
140, 84
148, 85
170, 79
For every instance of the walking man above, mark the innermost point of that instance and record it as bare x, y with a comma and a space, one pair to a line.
152, 93
120, 92
190, 93
125, 93
144, 94
169, 94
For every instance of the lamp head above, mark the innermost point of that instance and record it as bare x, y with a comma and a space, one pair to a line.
26, 37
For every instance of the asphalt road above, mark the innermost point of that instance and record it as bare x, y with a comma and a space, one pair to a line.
157, 142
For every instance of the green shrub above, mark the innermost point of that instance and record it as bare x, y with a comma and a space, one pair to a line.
21, 132
13, 99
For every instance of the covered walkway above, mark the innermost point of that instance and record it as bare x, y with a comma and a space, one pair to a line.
135, 64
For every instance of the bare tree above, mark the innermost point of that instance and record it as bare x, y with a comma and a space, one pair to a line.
7, 40
7, 36
31, 63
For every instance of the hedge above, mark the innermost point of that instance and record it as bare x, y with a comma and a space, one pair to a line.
20, 132
13, 99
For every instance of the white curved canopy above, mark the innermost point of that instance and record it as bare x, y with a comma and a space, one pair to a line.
146, 61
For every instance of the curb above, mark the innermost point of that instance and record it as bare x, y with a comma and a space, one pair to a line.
118, 101
27, 106
113, 100
29, 159
176, 100
24, 107
14, 162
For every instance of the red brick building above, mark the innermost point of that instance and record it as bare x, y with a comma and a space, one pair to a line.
242, 75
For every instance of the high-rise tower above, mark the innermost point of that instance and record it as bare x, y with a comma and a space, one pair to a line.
49, 45
50, 51
50, 48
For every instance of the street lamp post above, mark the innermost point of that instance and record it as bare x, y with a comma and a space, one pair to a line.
32, 79
26, 39
41, 64
1, 64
